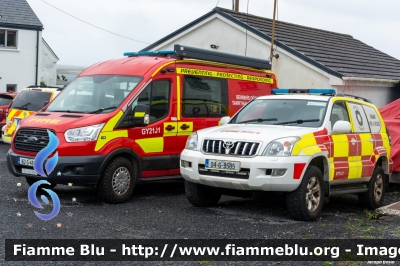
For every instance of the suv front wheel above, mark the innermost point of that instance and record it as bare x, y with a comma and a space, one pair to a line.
306, 202
201, 195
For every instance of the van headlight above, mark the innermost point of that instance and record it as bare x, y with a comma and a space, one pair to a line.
281, 147
89, 133
191, 143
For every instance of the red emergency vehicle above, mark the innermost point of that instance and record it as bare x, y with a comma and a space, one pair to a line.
127, 120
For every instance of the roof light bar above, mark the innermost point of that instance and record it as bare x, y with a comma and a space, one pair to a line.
304, 91
162, 52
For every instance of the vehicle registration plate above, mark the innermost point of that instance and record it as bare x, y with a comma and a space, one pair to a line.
222, 165
28, 171
25, 161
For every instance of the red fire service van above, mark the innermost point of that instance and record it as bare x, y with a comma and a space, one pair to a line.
127, 120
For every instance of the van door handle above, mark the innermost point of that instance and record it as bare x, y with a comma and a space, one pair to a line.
169, 128
184, 127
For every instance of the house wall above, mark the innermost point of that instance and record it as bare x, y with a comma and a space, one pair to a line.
292, 72
48, 70
19, 66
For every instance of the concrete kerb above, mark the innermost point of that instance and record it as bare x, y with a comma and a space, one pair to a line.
392, 209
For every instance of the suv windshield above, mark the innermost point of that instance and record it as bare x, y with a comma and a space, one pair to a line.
287, 112
31, 100
94, 94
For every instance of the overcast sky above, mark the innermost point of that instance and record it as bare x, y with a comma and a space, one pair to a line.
374, 22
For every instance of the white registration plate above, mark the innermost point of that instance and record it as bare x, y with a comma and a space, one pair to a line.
25, 161
222, 165
28, 171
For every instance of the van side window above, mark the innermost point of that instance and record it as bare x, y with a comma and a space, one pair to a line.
339, 113
373, 119
157, 96
360, 121
204, 97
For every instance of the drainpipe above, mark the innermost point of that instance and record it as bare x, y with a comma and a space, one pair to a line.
37, 58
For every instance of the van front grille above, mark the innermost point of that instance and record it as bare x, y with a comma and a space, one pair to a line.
31, 139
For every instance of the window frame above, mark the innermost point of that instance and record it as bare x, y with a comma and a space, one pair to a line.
224, 104
5, 39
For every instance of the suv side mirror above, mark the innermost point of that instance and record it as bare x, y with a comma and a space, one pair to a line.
342, 127
224, 120
140, 115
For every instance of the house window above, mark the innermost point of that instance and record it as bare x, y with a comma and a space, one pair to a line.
11, 87
8, 38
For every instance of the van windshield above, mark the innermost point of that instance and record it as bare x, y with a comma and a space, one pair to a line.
94, 94
31, 100
286, 112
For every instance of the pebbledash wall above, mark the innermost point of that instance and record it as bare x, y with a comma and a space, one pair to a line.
292, 71
18, 66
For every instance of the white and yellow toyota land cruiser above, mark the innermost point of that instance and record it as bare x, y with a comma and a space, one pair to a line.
309, 144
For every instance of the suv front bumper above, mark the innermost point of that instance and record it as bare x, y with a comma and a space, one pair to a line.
78, 170
258, 169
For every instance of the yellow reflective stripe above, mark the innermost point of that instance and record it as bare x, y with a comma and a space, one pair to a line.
107, 134
106, 137
307, 140
367, 147
224, 65
311, 150
331, 169
341, 146
178, 96
354, 170
185, 132
172, 132
227, 75
161, 67
139, 114
151, 144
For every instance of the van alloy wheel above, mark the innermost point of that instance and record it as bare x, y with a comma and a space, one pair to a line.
121, 180
313, 194
117, 180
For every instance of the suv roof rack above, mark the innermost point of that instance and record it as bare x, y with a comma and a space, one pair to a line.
353, 96
182, 51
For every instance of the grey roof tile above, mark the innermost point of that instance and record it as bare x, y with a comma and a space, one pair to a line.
339, 52
18, 12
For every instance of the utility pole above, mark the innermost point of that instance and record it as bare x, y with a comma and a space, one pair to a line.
273, 33
236, 5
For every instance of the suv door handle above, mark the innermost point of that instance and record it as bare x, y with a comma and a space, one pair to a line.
184, 127
169, 128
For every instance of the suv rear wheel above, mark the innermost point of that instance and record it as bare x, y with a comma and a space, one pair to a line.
118, 180
306, 202
201, 195
373, 198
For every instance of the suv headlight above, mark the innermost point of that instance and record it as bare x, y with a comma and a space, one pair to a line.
191, 143
281, 147
89, 133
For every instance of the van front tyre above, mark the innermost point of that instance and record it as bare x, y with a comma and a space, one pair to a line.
373, 198
117, 181
306, 202
201, 195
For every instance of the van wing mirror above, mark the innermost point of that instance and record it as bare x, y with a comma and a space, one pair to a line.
342, 127
140, 115
224, 120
